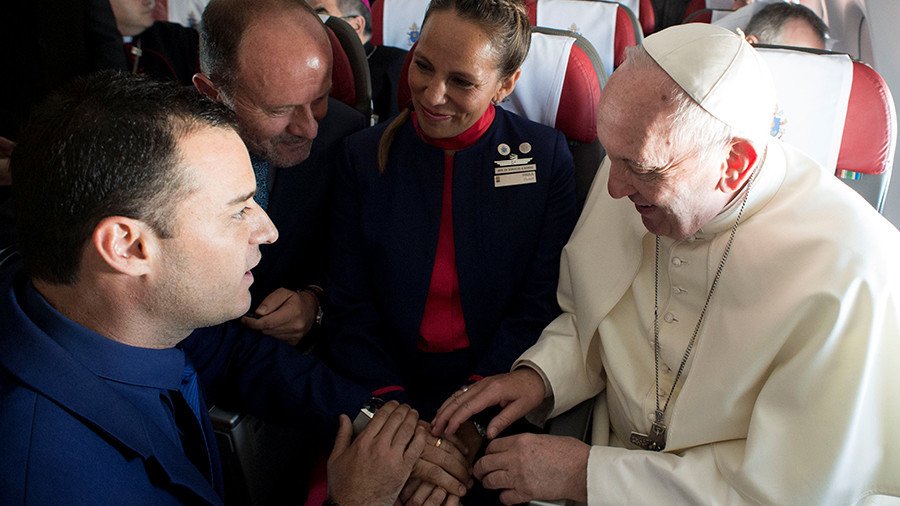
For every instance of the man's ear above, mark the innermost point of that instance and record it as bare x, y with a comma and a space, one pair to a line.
359, 26
125, 244
738, 167
205, 86
507, 85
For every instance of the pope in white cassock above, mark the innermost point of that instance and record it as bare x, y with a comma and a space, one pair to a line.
732, 307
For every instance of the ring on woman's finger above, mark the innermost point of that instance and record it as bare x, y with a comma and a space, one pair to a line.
437, 444
465, 388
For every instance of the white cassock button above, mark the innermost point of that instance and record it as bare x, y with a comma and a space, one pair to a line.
651, 417
677, 261
669, 318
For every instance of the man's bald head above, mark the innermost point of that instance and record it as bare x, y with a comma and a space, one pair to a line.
225, 24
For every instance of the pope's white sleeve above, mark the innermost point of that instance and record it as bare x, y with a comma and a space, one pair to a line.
558, 356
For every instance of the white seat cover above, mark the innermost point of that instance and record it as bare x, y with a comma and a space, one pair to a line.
537, 92
813, 92
402, 21
595, 21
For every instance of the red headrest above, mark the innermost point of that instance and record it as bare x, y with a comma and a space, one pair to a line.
647, 17
692, 7
701, 16
343, 87
870, 130
377, 23
580, 97
576, 117
625, 36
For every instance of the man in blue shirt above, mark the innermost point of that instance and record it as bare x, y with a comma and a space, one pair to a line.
137, 225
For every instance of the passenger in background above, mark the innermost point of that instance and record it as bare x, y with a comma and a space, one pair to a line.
158, 49
732, 309
99, 389
449, 220
184, 12
385, 62
786, 24
270, 62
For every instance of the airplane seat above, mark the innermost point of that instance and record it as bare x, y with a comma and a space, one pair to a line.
699, 16
354, 55
706, 11
560, 87
343, 86
838, 111
262, 463
609, 26
397, 23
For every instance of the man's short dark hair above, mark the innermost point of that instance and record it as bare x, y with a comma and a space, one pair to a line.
104, 145
222, 27
767, 24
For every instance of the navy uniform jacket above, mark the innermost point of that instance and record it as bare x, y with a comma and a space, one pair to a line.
507, 239
299, 206
82, 418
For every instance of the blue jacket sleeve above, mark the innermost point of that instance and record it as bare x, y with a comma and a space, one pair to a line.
535, 306
241, 369
353, 321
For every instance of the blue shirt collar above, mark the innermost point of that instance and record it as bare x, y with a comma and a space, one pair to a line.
104, 357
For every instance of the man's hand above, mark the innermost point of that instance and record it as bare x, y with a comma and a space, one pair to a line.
285, 314
535, 466
517, 392
373, 469
6, 149
443, 472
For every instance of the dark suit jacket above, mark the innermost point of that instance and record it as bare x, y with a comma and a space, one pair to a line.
299, 205
170, 52
68, 434
507, 239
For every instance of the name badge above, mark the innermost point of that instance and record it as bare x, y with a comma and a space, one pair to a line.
515, 178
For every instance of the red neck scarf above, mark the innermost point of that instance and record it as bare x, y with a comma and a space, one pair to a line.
461, 140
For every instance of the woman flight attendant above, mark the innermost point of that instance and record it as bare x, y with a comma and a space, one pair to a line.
449, 220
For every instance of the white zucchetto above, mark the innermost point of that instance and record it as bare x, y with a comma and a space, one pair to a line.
721, 71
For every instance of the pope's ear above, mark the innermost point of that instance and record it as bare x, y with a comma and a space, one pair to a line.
124, 244
739, 165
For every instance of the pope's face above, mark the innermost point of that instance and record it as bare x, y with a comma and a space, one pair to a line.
674, 188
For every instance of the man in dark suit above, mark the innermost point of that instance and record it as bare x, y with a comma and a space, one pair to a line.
270, 61
385, 62
159, 49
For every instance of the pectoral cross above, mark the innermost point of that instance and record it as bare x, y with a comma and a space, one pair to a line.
656, 440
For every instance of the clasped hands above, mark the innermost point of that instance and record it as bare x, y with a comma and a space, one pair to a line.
395, 460
437, 458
